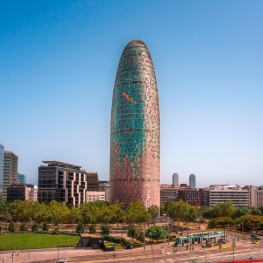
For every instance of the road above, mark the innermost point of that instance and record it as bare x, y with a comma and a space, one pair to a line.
160, 254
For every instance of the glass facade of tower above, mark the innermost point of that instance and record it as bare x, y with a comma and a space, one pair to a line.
135, 129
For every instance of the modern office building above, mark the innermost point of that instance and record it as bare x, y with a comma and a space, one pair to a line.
135, 129
92, 196
194, 197
62, 182
175, 179
192, 181
21, 178
1, 169
222, 193
20, 191
10, 171
168, 193
92, 182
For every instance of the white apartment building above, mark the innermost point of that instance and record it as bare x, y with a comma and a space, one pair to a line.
222, 193
92, 196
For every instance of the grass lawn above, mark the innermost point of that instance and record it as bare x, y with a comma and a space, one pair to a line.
18, 241
109, 244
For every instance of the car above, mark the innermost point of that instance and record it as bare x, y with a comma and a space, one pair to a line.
62, 261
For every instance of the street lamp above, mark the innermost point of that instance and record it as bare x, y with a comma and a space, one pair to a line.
13, 254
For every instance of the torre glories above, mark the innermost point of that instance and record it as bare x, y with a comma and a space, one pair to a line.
135, 129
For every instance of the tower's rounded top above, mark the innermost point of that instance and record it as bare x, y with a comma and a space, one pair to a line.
135, 42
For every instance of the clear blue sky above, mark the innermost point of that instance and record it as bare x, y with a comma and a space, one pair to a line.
58, 61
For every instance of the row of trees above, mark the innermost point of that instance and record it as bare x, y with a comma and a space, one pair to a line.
100, 212
97, 212
226, 214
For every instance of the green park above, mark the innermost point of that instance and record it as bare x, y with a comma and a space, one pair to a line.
31, 225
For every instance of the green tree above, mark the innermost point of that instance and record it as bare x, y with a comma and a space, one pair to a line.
140, 236
255, 212
105, 230
79, 228
56, 231
74, 215
23, 227
132, 232
136, 213
178, 210
34, 227
225, 209
153, 211
45, 227
11, 227
4, 210
155, 232
92, 229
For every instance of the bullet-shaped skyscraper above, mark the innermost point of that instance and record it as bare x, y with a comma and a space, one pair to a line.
135, 129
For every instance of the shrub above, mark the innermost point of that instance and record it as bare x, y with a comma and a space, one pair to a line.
45, 227
79, 228
105, 230
111, 248
113, 239
11, 227
92, 229
56, 231
132, 232
34, 227
140, 236
23, 227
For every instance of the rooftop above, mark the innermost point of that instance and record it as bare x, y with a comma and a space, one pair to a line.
60, 164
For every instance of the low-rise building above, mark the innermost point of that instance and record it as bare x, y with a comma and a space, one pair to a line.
195, 197
222, 193
20, 191
105, 187
92, 196
168, 193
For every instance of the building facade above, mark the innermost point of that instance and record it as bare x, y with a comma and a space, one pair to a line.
192, 181
21, 178
135, 129
221, 193
62, 182
20, 191
175, 179
105, 187
93, 182
92, 196
10, 171
168, 193
197, 198
1, 170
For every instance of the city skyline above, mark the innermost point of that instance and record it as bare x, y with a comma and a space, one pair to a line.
58, 65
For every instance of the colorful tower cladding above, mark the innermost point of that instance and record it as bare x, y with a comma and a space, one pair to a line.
135, 129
